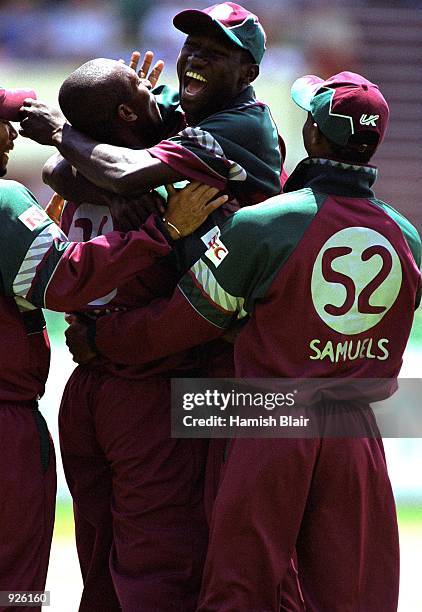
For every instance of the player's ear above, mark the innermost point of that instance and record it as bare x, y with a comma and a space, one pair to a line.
126, 113
316, 136
320, 145
249, 73
253, 72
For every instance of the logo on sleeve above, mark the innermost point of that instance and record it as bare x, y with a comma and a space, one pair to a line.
33, 217
217, 251
356, 279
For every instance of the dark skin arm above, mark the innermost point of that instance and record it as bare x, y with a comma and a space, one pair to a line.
117, 169
71, 185
58, 174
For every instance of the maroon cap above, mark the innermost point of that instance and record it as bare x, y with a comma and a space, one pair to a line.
11, 100
343, 105
237, 23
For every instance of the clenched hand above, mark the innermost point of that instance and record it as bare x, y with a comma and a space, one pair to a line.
40, 122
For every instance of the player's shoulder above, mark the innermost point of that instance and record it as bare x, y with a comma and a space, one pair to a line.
10, 186
295, 206
12, 191
249, 119
408, 230
278, 221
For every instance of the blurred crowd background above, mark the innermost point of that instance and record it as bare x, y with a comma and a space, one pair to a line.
41, 41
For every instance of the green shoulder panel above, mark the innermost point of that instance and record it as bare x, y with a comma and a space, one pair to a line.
22, 219
249, 136
410, 233
242, 263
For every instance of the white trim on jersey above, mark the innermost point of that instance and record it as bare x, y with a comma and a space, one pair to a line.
33, 258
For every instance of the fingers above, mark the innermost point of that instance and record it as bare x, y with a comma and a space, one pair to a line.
156, 73
22, 129
134, 60
146, 64
214, 204
29, 102
204, 193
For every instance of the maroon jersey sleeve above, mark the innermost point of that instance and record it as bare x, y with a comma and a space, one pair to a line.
154, 330
62, 275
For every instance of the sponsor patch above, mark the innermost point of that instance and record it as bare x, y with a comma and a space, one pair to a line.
33, 217
217, 251
211, 235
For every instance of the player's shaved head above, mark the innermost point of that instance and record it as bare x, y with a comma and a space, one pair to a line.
90, 96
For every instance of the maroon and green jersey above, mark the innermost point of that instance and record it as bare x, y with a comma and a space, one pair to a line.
40, 268
236, 150
326, 276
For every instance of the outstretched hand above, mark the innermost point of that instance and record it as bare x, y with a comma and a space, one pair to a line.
188, 208
40, 122
150, 78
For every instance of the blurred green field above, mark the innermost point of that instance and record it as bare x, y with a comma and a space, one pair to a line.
415, 339
409, 518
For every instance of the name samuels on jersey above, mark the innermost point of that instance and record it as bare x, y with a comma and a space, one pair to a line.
356, 279
349, 350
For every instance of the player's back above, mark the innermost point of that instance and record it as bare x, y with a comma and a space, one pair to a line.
339, 296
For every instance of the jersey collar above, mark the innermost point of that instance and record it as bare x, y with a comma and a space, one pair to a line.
332, 176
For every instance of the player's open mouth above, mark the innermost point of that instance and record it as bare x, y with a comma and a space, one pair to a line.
194, 83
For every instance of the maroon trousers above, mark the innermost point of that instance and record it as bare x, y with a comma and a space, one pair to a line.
138, 494
27, 499
328, 499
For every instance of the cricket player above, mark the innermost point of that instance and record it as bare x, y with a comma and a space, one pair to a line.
41, 269
328, 277
148, 487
